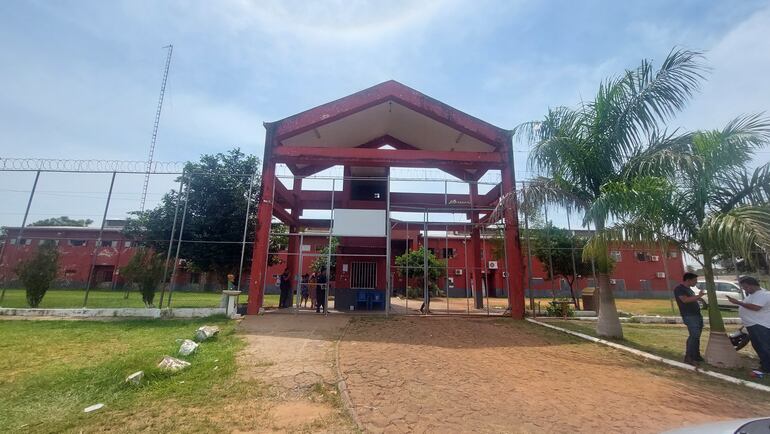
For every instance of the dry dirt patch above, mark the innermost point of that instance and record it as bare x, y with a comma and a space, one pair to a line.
495, 375
294, 357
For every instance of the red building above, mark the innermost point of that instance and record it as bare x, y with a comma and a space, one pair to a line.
639, 271
77, 249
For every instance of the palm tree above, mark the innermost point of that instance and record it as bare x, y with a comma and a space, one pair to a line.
708, 202
578, 150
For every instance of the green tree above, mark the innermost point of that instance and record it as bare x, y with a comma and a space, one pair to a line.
145, 269
62, 221
578, 150
216, 190
415, 260
561, 249
38, 272
712, 203
319, 264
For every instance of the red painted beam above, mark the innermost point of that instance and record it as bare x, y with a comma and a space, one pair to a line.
400, 94
284, 215
492, 195
387, 140
388, 158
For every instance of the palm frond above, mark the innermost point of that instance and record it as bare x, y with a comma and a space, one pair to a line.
742, 230
666, 155
648, 97
743, 189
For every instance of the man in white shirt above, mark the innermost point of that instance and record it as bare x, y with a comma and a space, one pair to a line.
754, 311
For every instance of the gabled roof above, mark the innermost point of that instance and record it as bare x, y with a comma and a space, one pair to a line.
389, 112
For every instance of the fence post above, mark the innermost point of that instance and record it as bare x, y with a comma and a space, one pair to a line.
23, 223
178, 243
170, 241
98, 241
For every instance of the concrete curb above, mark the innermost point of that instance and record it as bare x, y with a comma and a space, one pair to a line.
649, 319
129, 312
342, 385
649, 356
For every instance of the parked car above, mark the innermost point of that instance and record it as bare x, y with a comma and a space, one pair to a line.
735, 426
723, 288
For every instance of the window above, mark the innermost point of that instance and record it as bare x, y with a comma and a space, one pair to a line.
645, 285
77, 243
672, 254
726, 287
642, 256
616, 255
107, 243
432, 251
127, 244
48, 243
448, 253
620, 284
25, 242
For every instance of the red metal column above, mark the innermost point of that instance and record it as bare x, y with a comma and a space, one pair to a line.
294, 244
259, 267
515, 263
478, 293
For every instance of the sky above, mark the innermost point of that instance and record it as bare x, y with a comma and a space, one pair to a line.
80, 79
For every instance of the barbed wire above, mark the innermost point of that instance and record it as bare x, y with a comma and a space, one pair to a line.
90, 166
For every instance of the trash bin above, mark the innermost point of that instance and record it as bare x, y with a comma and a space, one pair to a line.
590, 298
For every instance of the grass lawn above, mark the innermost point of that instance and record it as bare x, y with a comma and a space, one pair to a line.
645, 306
73, 298
52, 370
665, 340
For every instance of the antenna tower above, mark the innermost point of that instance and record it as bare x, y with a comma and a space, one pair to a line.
155, 125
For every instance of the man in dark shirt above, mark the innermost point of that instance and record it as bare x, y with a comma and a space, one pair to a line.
285, 286
689, 308
321, 292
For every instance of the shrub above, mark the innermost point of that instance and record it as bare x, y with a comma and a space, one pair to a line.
562, 308
146, 270
38, 272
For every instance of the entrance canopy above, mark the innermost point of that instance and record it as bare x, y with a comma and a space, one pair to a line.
396, 117
368, 133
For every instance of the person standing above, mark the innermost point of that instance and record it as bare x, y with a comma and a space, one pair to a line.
689, 308
320, 292
313, 290
305, 289
754, 311
285, 285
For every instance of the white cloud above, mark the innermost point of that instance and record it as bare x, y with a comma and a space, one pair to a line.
738, 84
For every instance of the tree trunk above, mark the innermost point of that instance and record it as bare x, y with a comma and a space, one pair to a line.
572, 293
608, 323
719, 350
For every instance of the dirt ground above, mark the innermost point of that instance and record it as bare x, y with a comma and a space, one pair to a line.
452, 374
294, 357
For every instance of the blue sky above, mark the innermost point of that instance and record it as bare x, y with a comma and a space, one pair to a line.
80, 78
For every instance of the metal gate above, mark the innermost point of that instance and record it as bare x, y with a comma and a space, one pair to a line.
363, 275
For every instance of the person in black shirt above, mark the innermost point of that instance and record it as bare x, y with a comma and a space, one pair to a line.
689, 308
285, 286
321, 292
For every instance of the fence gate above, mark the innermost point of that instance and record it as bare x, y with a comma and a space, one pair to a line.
363, 275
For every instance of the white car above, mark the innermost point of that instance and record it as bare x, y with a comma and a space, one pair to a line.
723, 289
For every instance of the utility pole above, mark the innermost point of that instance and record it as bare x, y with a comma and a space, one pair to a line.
155, 126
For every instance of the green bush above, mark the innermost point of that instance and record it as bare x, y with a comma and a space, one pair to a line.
38, 272
435, 291
146, 270
560, 308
